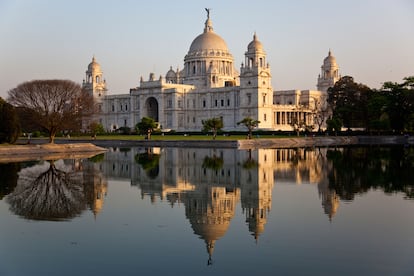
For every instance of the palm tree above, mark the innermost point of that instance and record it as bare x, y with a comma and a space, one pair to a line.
213, 124
250, 124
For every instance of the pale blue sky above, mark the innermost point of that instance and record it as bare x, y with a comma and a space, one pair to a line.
373, 41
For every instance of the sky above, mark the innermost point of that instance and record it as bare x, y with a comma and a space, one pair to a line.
372, 40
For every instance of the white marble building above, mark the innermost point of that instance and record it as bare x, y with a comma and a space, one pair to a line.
210, 86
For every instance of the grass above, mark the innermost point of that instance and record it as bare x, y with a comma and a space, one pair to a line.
162, 138
157, 137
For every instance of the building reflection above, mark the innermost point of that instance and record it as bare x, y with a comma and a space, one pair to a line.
256, 189
209, 183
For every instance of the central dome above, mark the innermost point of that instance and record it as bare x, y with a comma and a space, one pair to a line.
208, 62
208, 40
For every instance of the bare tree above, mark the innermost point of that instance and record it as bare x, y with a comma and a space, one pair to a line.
320, 111
55, 104
298, 122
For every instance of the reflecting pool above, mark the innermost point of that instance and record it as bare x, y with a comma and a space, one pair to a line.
185, 211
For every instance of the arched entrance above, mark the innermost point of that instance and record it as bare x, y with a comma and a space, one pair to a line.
151, 106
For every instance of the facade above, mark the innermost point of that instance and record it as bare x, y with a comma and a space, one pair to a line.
209, 86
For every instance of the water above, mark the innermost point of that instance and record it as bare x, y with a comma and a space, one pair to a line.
176, 211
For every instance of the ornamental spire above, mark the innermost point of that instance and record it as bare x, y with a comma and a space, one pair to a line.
208, 25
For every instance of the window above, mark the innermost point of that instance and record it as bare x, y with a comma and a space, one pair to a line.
215, 102
222, 102
204, 103
228, 102
264, 117
113, 108
126, 107
249, 98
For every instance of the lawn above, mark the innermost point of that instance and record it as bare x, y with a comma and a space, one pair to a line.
165, 137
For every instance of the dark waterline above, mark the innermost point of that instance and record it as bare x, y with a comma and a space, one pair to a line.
184, 211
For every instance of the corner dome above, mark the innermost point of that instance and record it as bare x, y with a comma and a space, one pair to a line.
255, 45
330, 60
170, 73
94, 66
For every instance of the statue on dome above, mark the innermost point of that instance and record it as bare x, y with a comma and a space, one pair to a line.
208, 12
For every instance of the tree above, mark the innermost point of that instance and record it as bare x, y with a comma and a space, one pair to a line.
320, 111
297, 124
298, 120
213, 124
348, 101
55, 104
146, 126
96, 128
334, 125
378, 118
250, 124
400, 107
9, 123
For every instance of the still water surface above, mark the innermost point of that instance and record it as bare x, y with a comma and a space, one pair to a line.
180, 211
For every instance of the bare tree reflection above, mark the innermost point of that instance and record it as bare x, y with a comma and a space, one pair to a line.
48, 191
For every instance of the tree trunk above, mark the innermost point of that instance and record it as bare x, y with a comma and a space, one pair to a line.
52, 138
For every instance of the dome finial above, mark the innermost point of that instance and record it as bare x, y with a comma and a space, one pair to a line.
208, 25
208, 12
